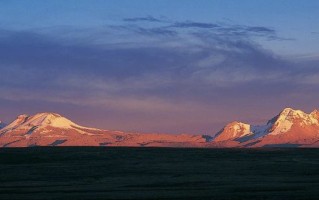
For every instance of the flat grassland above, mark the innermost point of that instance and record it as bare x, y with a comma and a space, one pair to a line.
158, 173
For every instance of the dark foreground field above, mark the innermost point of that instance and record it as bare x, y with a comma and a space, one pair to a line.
158, 173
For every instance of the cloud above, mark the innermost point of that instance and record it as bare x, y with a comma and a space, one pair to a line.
158, 71
154, 31
146, 19
199, 75
200, 25
260, 29
190, 24
177, 27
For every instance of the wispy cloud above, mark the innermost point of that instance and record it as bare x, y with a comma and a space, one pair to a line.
260, 29
141, 19
190, 24
233, 30
216, 63
158, 71
154, 31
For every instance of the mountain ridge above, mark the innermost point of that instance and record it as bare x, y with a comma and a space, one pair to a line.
51, 129
290, 128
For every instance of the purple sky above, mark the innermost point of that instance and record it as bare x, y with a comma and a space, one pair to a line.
152, 68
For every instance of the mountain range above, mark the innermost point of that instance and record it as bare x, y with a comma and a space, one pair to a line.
290, 128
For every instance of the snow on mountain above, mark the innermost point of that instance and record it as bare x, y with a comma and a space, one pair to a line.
288, 117
289, 126
42, 121
51, 129
233, 130
315, 115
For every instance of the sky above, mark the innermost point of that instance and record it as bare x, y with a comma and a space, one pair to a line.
158, 66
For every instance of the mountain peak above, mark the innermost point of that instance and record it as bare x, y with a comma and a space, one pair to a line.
315, 113
289, 125
46, 116
292, 112
41, 120
51, 119
289, 117
288, 109
51, 114
233, 130
23, 116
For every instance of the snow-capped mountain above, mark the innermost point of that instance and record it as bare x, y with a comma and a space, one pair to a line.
42, 122
232, 131
51, 129
289, 128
